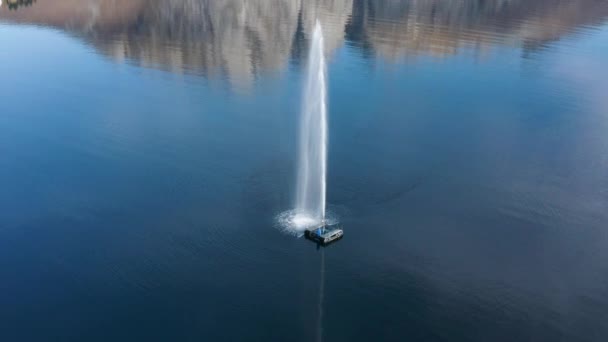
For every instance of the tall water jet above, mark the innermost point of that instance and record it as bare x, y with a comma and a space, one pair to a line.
312, 163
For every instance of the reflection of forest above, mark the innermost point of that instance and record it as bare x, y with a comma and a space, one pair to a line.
15, 4
240, 39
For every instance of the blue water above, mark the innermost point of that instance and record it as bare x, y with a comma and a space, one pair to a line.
146, 148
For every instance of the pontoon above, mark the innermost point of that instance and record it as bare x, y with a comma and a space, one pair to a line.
325, 234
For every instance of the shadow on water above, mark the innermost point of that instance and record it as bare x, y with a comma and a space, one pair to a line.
321, 302
321, 296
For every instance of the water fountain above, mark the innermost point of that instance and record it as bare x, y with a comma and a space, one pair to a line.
310, 202
312, 163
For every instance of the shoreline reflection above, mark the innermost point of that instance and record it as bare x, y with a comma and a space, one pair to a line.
240, 40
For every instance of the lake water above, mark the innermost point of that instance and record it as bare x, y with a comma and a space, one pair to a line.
147, 147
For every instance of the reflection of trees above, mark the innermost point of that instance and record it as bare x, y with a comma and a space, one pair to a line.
15, 4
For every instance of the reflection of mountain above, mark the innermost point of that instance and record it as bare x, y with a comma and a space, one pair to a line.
239, 39
333, 14
395, 28
235, 38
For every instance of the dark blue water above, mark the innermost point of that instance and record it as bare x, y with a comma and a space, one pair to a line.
146, 148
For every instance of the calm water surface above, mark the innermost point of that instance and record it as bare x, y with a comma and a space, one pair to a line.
146, 148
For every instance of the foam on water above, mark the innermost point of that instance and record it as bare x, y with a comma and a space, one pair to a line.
295, 223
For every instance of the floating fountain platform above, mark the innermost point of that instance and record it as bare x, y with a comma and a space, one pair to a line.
324, 234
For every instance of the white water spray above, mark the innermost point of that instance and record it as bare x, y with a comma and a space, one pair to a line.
310, 203
312, 163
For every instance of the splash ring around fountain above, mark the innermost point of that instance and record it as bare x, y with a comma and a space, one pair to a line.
294, 222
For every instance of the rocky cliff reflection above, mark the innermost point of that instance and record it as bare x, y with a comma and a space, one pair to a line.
398, 28
240, 39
